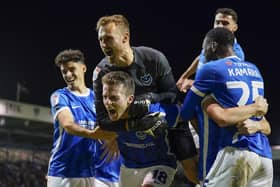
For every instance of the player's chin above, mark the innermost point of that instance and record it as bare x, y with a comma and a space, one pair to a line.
114, 117
71, 86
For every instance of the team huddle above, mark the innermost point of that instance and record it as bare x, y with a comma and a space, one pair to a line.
131, 129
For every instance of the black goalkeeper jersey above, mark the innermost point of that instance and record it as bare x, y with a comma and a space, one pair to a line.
151, 72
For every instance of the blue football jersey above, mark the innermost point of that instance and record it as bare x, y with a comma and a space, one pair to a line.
74, 156
232, 83
140, 150
208, 141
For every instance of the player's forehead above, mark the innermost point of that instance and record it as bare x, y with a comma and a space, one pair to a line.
223, 17
110, 89
70, 65
107, 29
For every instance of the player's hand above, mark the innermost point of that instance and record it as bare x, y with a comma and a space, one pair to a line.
111, 150
179, 83
262, 106
153, 124
248, 127
183, 84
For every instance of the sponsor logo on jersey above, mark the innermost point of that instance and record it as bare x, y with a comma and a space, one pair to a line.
229, 63
87, 124
146, 79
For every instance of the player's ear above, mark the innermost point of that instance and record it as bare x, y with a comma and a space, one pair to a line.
130, 99
84, 68
235, 27
213, 46
126, 37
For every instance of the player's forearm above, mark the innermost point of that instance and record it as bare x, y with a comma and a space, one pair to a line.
98, 133
238, 114
75, 129
230, 116
188, 109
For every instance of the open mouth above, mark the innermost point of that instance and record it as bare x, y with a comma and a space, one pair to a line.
108, 52
112, 113
70, 81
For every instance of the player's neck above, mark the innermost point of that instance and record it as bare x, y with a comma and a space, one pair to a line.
125, 115
81, 89
229, 53
125, 58
225, 54
129, 56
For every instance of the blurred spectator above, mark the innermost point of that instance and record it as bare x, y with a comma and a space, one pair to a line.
19, 168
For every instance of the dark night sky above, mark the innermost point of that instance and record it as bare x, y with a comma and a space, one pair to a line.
31, 34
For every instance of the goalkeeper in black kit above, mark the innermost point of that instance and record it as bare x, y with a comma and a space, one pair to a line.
154, 82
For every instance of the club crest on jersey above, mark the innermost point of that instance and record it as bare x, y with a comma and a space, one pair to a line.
141, 135
54, 99
146, 79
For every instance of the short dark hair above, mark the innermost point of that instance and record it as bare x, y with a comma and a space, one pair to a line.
118, 19
117, 78
227, 11
221, 36
69, 55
